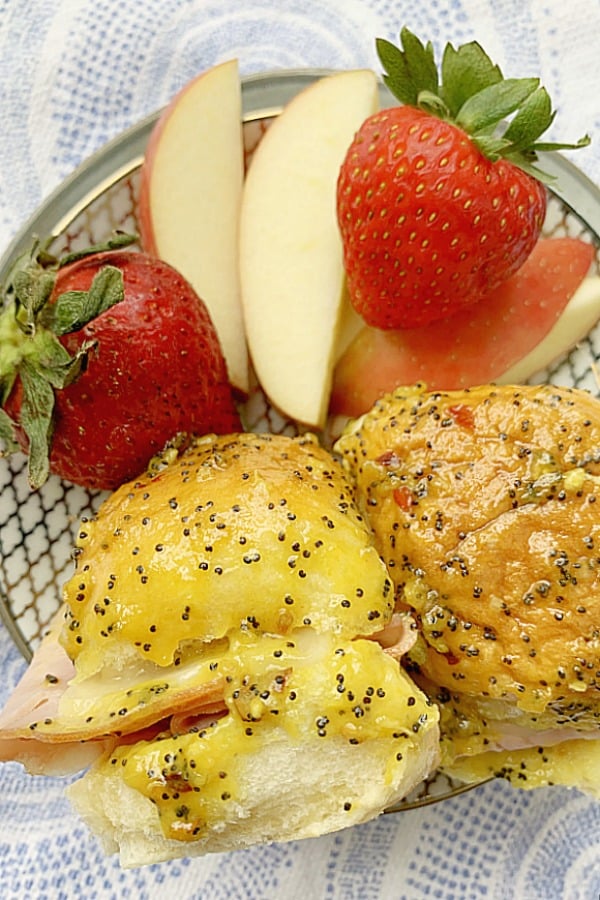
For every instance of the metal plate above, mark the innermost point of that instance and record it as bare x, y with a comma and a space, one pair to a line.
37, 530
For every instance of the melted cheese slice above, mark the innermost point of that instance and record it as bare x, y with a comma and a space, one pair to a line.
303, 689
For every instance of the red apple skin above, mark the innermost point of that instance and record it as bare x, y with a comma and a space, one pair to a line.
475, 346
144, 213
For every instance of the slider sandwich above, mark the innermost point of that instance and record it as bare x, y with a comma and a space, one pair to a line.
485, 504
226, 660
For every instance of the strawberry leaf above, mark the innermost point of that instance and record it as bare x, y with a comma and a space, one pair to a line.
410, 70
36, 420
543, 147
466, 72
533, 119
55, 363
420, 60
396, 77
474, 95
59, 376
491, 146
7, 434
433, 104
485, 110
49, 351
106, 290
32, 291
74, 309
70, 312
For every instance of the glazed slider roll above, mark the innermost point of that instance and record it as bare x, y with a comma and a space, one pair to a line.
226, 659
485, 507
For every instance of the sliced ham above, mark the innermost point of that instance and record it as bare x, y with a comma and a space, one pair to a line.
398, 636
44, 724
55, 723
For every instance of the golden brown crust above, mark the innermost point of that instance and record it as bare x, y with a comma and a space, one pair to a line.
484, 507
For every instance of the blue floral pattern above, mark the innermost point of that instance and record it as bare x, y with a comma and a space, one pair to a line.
75, 73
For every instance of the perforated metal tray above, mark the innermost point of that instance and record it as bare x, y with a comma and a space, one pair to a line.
37, 529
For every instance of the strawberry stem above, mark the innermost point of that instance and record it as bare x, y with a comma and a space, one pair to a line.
30, 328
475, 96
118, 241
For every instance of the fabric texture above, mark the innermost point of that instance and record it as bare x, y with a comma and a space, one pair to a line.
73, 75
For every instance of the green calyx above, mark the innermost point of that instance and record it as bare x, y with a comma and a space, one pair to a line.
473, 94
30, 348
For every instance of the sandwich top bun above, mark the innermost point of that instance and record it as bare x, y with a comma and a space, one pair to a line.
229, 649
484, 504
245, 532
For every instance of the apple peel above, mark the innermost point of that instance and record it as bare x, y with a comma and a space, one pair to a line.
576, 321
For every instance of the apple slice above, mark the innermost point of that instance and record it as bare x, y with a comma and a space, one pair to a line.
291, 264
579, 316
189, 200
350, 323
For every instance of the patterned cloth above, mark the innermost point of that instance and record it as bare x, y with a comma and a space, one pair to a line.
75, 73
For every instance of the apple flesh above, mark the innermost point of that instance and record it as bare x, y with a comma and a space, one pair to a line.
291, 263
350, 323
189, 200
578, 318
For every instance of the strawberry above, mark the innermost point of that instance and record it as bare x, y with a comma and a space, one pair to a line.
437, 203
106, 356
